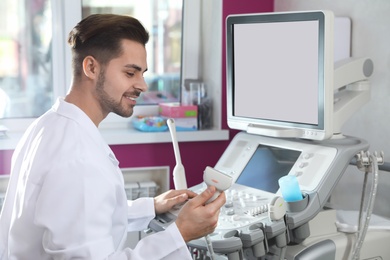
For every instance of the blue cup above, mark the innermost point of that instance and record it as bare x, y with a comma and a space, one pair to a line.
289, 187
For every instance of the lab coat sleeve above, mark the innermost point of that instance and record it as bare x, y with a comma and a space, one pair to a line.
140, 213
164, 245
167, 244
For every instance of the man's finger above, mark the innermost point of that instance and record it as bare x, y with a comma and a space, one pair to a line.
204, 196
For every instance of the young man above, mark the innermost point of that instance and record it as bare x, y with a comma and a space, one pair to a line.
66, 198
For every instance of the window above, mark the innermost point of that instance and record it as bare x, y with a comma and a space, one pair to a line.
26, 83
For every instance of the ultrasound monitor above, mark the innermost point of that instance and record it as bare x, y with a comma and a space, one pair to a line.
280, 74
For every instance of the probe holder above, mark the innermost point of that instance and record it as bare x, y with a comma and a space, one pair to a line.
300, 233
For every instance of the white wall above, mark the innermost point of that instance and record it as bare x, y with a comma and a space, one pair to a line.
211, 60
371, 38
202, 52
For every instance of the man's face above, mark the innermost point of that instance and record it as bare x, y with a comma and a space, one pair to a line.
122, 80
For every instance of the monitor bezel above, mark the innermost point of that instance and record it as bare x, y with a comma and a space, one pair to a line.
323, 130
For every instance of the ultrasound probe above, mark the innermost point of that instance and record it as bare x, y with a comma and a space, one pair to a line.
179, 175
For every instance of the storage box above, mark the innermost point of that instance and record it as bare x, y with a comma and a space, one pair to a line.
186, 123
176, 110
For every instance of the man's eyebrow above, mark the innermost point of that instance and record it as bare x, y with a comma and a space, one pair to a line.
134, 66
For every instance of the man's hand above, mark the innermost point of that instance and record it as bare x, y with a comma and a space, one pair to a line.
196, 219
166, 201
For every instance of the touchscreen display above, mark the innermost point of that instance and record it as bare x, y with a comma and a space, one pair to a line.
266, 166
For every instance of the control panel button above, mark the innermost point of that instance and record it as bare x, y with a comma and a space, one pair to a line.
302, 165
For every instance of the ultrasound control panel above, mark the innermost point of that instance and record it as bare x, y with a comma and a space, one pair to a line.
244, 222
244, 206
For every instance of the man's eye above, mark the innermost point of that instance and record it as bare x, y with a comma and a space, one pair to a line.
130, 74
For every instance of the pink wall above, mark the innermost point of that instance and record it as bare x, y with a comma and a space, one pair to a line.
195, 155
5, 161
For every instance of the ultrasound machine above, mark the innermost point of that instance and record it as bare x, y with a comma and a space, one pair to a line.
289, 99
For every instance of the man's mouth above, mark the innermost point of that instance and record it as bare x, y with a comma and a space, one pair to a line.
131, 98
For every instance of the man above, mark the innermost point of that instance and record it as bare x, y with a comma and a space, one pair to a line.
66, 198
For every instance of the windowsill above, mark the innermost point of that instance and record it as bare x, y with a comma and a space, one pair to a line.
132, 136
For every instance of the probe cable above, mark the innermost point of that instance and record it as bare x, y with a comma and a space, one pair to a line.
363, 224
210, 247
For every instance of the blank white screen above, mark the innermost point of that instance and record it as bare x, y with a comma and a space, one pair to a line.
276, 71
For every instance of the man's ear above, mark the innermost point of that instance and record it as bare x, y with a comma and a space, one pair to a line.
90, 67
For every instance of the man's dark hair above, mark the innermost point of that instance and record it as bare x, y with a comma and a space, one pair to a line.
100, 36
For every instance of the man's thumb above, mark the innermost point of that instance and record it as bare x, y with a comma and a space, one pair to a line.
206, 195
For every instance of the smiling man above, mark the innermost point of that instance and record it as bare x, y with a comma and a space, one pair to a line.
66, 197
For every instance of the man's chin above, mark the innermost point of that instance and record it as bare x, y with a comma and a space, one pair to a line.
125, 114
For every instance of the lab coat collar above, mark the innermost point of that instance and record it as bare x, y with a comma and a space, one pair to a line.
73, 112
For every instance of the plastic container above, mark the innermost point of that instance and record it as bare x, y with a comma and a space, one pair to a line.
289, 187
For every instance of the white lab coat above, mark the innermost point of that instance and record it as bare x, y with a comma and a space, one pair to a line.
66, 197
